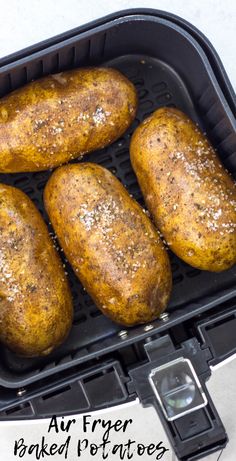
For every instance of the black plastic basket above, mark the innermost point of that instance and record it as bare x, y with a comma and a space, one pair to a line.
171, 64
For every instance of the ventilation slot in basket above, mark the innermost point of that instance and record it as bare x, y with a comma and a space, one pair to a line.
56, 393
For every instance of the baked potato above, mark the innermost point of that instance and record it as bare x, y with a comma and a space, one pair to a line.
35, 300
110, 242
61, 117
190, 195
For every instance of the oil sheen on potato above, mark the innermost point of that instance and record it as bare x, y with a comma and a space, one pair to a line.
35, 300
186, 188
61, 117
110, 242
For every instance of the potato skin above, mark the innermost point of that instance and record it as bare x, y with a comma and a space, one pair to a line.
35, 299
60, 117
189, 194
110, 242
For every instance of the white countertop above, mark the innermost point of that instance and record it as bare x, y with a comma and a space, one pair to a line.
24, 23
146, 427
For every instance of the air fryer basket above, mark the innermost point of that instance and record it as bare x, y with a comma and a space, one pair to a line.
168, 67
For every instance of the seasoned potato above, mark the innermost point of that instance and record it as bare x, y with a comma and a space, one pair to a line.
60, 117
110, 243
189, 194
35, 299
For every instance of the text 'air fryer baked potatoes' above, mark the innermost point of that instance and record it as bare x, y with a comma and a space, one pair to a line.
110, 242
35, 299
60, 117
189, 194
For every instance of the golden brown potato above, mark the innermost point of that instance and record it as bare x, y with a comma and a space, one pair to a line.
60, 117
189, 194
35, 299
110, 243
